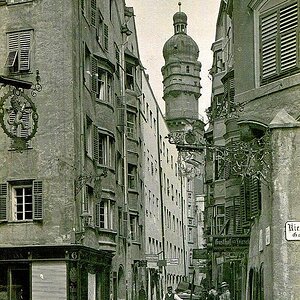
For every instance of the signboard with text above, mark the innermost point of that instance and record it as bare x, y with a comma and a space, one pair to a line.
292, 231
227, 242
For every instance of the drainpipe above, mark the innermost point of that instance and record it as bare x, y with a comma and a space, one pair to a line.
162, 201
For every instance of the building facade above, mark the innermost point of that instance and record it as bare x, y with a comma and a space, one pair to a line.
258, 111
90, 187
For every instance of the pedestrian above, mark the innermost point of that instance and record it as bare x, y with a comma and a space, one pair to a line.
170, 295
225, 291
212, 294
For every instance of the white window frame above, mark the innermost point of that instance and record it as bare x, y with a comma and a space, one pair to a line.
106, 149
133, 220
20, 208
105, 214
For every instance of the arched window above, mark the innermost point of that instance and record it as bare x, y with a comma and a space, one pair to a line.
188, 69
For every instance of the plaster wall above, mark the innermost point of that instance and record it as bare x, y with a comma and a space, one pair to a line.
285, 207
52, 153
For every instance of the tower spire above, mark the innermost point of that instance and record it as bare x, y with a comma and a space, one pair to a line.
179, 4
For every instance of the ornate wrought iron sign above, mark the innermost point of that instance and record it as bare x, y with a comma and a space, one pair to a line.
18, 114
18, 117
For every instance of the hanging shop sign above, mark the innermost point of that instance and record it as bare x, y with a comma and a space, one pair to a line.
18, 114
199, 253
292, 231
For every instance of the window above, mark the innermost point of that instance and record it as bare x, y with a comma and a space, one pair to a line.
132, 180
279, 32
218, 65
25, 199
131, 124
19, 47
106, 150
130, 76
105, 214
105, 92
133, 227
219, 218
15, 281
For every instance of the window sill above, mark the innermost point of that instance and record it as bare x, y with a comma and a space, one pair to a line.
14, 222
106, 103
22, 2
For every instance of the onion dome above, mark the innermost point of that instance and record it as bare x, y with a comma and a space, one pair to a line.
180, 46
180, 18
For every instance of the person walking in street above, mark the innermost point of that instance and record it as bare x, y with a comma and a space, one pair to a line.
225, 291
170, 295
212, 294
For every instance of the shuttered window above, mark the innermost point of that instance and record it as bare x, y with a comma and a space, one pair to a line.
26, 201
245, 202
96, 144
93, 12
3, 202
19, 45
105, 36
37, 200
94, 69
279, 41
255, 191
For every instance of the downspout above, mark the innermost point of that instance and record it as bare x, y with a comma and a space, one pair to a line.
125, 160
162, 200
182, 223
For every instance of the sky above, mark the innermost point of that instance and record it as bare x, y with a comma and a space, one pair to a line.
154, 24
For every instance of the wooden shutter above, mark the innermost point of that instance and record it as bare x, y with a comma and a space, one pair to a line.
237, 214
93, 12
288, 17
269, 45
94, 63
38, 200
25, 40
96, 145
3, 202
105, 34
245, 202
97, 214
13, 47
255, 197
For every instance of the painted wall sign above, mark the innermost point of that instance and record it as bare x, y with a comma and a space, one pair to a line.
292, 230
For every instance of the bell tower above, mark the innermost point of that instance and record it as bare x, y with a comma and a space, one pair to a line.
181, 75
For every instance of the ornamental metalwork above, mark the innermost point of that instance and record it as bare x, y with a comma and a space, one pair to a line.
236, 158
18, 113
18, 117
